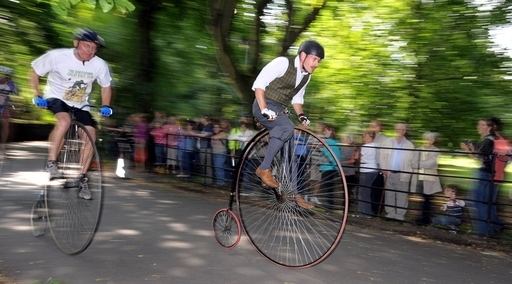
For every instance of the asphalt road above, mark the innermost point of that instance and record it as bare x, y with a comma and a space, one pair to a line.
152, 233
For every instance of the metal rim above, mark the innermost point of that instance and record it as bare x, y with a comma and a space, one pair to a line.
72, 220
278, 228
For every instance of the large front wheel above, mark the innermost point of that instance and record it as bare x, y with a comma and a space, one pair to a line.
279, 225
72, 219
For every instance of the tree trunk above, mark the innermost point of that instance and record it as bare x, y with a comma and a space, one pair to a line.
146, 62
221, 14
219, 24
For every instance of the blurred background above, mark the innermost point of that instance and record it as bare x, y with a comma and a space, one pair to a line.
438, 65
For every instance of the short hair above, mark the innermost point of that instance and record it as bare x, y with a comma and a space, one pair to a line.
451, 186
401, 124
349, 137
377, 122
371, 133
429, 134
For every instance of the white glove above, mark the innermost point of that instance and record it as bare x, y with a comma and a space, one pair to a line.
269, 114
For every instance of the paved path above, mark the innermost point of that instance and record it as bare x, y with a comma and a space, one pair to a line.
150, 233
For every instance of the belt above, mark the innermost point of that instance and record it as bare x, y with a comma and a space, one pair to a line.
284, 111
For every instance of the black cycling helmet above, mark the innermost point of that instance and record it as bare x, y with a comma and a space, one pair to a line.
89, 35
312, 47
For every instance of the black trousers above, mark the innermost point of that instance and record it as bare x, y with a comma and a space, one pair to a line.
377, 194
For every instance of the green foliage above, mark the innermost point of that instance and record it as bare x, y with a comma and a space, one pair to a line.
61, 7
428, 63
424, 63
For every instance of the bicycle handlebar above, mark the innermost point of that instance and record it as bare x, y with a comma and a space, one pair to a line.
6, 92
84, 106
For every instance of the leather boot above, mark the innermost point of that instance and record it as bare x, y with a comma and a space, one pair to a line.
266, 177
303, 203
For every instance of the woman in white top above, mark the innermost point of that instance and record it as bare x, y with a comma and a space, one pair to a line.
368, 172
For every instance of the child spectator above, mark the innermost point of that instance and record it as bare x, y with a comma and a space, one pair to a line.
158, 133
453, 209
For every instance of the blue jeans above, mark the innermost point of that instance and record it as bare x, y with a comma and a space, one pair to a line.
160, 154
219, 160
364, 195
446, 220
480, 193
186, 161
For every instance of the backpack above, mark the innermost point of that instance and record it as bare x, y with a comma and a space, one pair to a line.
503, 150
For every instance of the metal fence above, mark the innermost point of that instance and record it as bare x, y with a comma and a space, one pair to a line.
453, 167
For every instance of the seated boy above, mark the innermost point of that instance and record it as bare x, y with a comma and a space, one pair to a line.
453, 209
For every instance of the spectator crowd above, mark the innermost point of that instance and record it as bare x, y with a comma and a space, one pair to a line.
381, 171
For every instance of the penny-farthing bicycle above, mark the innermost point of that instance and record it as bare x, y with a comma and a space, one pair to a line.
72, 220
276, 225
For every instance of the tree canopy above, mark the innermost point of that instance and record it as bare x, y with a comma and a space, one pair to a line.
429, 63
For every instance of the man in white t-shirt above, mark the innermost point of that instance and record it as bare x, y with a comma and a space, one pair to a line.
7, 88
71, 74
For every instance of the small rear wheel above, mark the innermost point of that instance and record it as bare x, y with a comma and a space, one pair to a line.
38, 218
226, 228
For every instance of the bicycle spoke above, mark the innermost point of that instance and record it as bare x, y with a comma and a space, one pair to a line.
284, 232
73, 220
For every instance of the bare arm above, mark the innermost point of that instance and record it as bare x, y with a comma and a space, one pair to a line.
299, 110
260, 98
34, 82
106, 95
219, 136
468, 148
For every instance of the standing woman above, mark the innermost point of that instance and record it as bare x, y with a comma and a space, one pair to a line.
328, 168
425, 162
367, 174
481, 190
219, 152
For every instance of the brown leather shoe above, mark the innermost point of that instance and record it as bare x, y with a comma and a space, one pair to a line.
266, 177
303, 203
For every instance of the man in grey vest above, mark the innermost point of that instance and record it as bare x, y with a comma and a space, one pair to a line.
281, 81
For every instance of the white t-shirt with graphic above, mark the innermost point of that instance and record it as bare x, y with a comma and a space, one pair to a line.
70, 79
